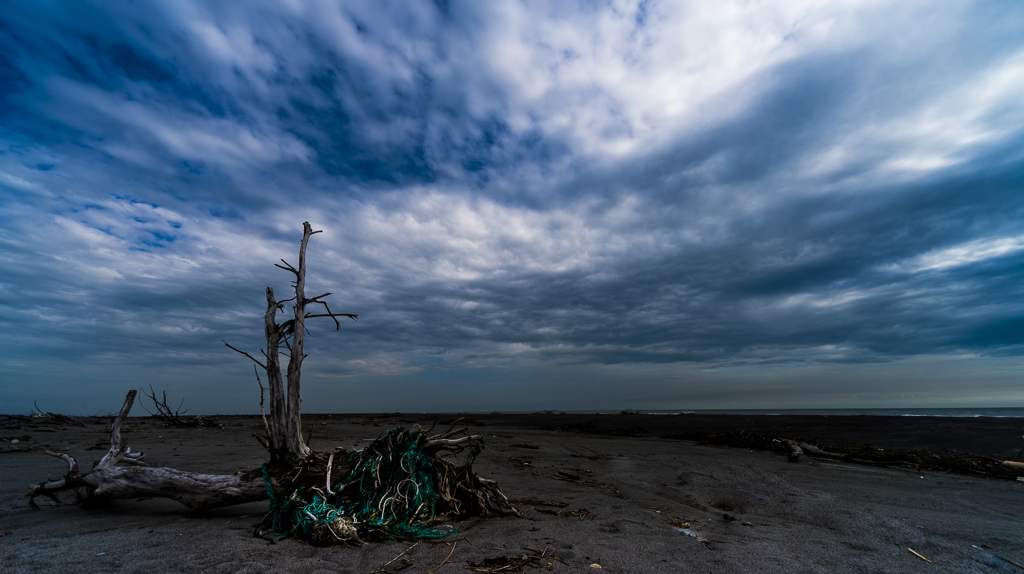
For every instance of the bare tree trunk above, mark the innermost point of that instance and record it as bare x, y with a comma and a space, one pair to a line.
277, 445
296, 446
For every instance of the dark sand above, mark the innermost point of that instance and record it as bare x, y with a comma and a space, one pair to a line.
758, 512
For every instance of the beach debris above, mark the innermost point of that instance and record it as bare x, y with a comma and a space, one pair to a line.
406, 562
4, 533
535, 502
919, 556
532, 558
595, 566
798, 448
173, 417
56, 417
1014, 464
395, 494
581, 513
568, 476
913, 459
694, 534
987, 552
671, 520
295, 475
794, 450
454, 544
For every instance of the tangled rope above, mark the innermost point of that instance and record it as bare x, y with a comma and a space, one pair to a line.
397, 493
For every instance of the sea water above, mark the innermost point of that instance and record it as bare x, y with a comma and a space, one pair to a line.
1010, 412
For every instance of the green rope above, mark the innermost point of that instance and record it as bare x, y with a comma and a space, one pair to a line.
397, 494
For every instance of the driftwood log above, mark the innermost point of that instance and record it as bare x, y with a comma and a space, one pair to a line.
796, 449
122, 474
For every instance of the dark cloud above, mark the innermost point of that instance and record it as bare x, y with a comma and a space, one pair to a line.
639, 202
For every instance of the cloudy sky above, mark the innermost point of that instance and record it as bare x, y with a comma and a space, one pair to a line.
530, 205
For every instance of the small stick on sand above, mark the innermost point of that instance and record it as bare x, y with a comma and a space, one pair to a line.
385, 565
446, 558
919, 556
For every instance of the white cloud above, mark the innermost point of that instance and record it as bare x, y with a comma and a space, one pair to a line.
963, 254
612, 87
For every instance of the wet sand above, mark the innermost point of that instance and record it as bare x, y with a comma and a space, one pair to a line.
617, 501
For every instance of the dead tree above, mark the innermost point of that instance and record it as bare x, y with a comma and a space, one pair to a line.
292, 465
284, 439
173, 417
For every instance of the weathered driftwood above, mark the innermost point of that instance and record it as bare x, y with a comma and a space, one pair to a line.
292, 464
108, 481
165, 414
56, 417
796, 449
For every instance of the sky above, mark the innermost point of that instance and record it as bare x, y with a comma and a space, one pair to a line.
530, 205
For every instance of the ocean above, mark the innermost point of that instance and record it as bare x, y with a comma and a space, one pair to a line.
1006, 412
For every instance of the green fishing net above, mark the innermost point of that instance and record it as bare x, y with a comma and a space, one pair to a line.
397, 491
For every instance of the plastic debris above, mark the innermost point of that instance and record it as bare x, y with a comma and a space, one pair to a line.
695, 534
398, 492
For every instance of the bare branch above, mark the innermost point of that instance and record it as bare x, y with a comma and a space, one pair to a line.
117, 450
72, 463
244, 353
266, 425
287, 267
287, 327
337, 325
352, 316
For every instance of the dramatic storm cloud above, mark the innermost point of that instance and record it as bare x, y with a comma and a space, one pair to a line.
530, 205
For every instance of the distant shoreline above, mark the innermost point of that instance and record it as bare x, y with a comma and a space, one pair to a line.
984, 434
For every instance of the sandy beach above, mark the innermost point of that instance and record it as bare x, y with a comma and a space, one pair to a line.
605, 490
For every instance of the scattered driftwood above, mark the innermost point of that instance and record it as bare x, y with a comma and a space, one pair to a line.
913, 459
56, 417
292, 467
173, 417
798, 448
532, 558
15, 422
108, 480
